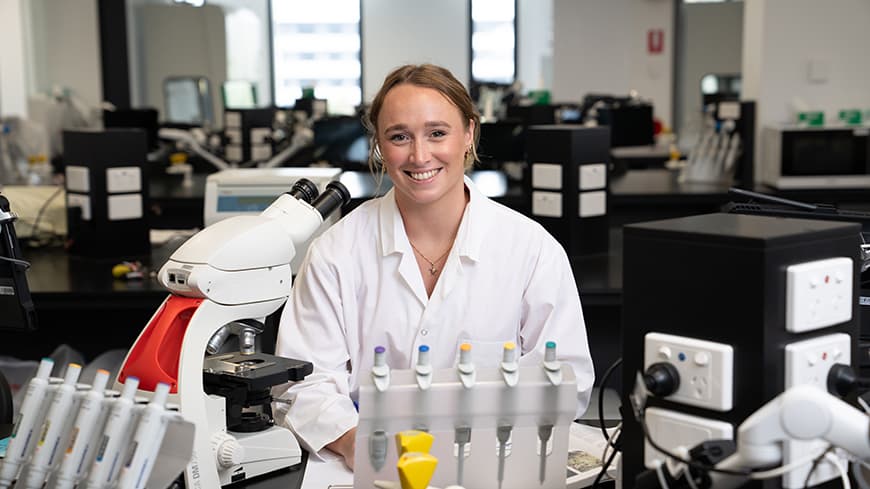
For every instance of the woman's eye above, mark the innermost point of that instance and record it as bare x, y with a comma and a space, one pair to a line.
397, 138
438, 134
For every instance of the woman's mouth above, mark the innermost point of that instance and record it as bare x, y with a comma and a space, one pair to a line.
423, 175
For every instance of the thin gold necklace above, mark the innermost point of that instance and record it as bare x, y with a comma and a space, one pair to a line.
432, 268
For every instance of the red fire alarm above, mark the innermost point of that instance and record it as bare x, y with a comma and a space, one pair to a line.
655, 41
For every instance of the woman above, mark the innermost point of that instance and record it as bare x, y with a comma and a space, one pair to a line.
432, 262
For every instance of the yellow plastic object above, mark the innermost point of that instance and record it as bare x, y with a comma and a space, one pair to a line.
178, 158
413, 441
416, 469
121, 269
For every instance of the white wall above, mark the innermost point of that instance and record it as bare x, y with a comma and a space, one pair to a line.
66, 48
535, 44
781, 40
247, 42
182, 41
399, 32
710, 38
13, 69
601, 47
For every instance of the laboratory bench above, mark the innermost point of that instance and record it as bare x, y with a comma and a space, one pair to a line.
79, 303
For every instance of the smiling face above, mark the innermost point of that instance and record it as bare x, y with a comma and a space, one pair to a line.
423, 139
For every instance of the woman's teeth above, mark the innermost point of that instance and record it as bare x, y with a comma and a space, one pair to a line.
423, 175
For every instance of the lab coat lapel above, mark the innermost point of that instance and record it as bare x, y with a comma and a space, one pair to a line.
410, 272
394, 240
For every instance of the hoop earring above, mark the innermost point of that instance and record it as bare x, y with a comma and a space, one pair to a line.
376, 154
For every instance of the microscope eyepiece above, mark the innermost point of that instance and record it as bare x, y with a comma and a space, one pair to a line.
334, 197
305, 190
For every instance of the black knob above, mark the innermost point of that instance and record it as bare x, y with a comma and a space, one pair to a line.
661, 379
842, 380
304, 189
333, 198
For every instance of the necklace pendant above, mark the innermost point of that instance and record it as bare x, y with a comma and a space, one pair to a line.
433, 270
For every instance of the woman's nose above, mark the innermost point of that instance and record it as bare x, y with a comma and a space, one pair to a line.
421, 153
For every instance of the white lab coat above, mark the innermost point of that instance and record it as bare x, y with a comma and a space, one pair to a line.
506, 279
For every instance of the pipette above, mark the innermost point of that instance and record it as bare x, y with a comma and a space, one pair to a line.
26, 420
146, 441
74, 460
463, 437
107, 462
48, 447
503, 433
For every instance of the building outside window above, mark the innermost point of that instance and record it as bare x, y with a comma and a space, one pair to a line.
493, 41
317, 45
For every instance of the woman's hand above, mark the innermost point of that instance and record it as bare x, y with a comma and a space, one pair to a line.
344, 446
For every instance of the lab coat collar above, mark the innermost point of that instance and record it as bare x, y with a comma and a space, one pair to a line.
469, 237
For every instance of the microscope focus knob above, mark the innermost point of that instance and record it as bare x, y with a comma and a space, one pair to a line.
228, 450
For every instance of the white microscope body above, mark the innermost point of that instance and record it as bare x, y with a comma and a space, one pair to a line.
237, 269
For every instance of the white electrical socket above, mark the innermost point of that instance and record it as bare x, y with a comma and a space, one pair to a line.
808, 362
123, 179
706, 369
670, 430
818, 294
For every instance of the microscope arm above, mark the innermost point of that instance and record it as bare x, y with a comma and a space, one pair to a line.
803, 412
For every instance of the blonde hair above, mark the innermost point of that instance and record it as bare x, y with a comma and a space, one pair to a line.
428, 76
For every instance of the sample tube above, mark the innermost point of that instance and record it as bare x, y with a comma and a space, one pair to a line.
107, 462
87, 422
21, 440
47, 449
146, 441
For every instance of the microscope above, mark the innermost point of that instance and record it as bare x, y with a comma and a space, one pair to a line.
224, 281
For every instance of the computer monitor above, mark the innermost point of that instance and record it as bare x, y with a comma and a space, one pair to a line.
239, 94
16, 307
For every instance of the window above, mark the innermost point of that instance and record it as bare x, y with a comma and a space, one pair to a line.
493, 40
317, 45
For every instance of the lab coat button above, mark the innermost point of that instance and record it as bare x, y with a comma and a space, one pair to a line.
424, 332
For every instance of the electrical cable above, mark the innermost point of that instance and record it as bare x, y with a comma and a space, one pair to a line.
815, 466
663, 481
690, 463
15, 261
603, 470
831, 458
42, 210
601, 386
782, 469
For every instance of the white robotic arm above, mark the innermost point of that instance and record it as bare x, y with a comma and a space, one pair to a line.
803, 412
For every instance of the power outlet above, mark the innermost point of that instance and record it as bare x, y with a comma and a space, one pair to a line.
818, 294
706, 369
808, 362
670, 430
123, 179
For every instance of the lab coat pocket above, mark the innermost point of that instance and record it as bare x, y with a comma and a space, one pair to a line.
486, 353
